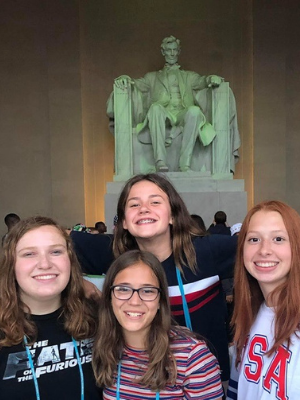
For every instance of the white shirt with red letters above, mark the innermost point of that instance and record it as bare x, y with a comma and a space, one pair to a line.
262, 377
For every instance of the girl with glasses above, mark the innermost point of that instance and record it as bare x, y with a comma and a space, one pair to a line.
138, 352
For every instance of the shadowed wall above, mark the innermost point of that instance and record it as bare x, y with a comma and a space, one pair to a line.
57, 65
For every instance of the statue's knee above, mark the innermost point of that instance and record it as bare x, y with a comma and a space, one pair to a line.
194, 111
156, 109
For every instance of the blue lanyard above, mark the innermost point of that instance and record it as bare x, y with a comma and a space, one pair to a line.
118, 384
184, 302
80, 368
36, 385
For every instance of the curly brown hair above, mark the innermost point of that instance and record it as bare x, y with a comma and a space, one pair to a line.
78, 312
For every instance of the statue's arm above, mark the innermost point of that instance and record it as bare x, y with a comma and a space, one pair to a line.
202, 82
143, 84
139, 96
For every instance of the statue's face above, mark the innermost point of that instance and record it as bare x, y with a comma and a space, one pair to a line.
171, 53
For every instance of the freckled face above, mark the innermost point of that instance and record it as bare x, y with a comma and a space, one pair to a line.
135, 315
148, 213
42, 267
267, 250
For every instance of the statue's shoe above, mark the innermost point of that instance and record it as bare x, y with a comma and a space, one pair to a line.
161, 167
185, 169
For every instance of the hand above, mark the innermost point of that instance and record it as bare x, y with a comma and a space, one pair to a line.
229, 298
123, 81
168, 141
214, 81
90, 290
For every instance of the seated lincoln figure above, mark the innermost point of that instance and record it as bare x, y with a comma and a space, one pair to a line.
166, 98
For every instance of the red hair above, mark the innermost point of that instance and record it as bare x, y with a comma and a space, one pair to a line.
248, 295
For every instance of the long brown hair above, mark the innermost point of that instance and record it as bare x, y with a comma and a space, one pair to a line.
109, 342
182, 228
15, 322
248, 295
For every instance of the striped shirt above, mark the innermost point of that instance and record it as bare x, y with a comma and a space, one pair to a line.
198, 374
215, 256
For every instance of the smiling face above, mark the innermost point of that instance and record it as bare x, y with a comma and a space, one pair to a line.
148, 214
171, 52
267, 250
135, 315
42, 268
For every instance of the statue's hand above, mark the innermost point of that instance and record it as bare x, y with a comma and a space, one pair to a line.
168, 141
214, 81
123, 81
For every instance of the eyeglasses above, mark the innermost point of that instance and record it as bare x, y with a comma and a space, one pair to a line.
147, 293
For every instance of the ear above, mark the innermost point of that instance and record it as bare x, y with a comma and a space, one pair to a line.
163, 52
171, 220
124, 224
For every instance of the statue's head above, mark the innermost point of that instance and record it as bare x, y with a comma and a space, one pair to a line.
170, 49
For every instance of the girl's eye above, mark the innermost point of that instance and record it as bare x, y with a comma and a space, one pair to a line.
28, 254
132, 205
148, 290
253, 240
122, 289
56, 252
279, 239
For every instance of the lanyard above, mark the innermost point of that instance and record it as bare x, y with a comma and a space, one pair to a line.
184, 302
36, 385
80, 369
118, 384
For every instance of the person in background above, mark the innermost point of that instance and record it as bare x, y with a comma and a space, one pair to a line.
47, 325
101, 227
228, 288
93, 230
80, 228
219, 226
200, 223
10, 221
138, 352
235, 229
266, 317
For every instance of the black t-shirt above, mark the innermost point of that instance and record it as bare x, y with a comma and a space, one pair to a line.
55, 365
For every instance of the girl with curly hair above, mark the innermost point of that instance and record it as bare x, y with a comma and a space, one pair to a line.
46, 323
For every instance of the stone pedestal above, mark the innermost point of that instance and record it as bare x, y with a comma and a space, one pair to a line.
202, 194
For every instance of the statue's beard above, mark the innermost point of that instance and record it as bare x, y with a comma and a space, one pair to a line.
171, 61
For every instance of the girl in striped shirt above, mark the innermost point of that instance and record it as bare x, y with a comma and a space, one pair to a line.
138, 352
